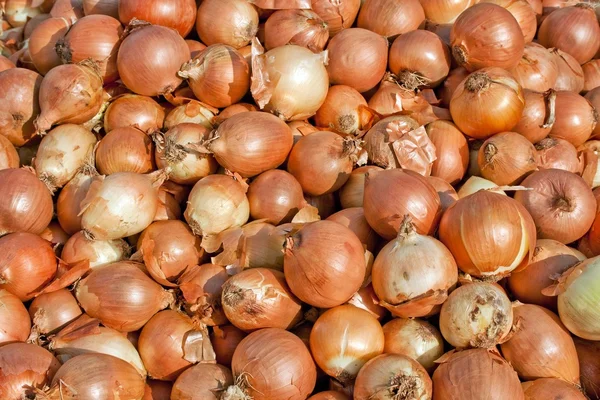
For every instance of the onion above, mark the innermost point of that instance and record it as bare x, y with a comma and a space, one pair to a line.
345, 111
238, 109
451, 150
19, 90
448, 87
500, 44
42, 43
202, 288
300, 27
150, 57
541, 347
105, 7
419, 58
392, 375
168, 207
56, 235
576, 118
322, 162
357, 58
260, 298
343, 339
18, 12
119, 205
385, 213
52, 311
231, 22
62, 152
122, 296
9, 158
125, 150
131, 110
71, 10
414, 338
225, 339
444, 12
593, 96
475, 374
572, 29
550, 259
570, 73
352, 193
390, 18
325, 204
26, 368
588, 353
336, 15
95, 37
216, 203
448, 195
489, 101
408, 292
275, 196
68, 205
366, 299
14, 319
354, 218
591, 72
489, 234
219, 75
317, 256
170, 342
537, 70
96, 376
538, 115
290, 81
177, 14
548, 387
578, 292
506, 158
204, 381
69, 94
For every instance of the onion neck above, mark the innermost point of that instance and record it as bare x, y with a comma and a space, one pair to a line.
550, 100
563, 204
411, 81
351, 148
407, 228
404, 386
460, 54
477, 82
490, 152
63, 50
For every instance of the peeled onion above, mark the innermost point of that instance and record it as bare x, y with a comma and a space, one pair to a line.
193, 112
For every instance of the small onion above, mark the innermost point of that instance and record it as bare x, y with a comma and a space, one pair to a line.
506, 158
357, 58
385, 213
202, 287
545, 388
140, 112
149, 58
476, 45
343, 339
448, 195
231, 22
537, 70
176, 14
538, 115
388, 374
541, 347
415, 338
9, 158
317, 256
322, 162
352, 193
591, 72
275, 196
488, 101
337, 16
550, 259
299, 27
344, 111
354, 218
576, 118
475, 374
225, 339
42, 43
588, 353
125, 149
390, 18
413, 273
53, 311
19, 90
260, 298
570, 73
14, 319
105, 7
271, 364
122, 296
561, 203
218, 76
451, 149
290, 81
205, 381
489, 234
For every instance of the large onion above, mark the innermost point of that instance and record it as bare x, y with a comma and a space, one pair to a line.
14, 319
390, 18
205, 381
19, 88
202, 287
275, 196
140, 112
42, 43
551, 387
576, 118
230, 22
176, 14
506, 158
52, 311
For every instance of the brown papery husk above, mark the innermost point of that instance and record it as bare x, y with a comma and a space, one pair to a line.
593, 96
482, 374
300, 27
206, 381
588, 352
541, 347
366, 299
538, 115
97, 252
201, 288
391, 376
69, 94
544, 388
380, 138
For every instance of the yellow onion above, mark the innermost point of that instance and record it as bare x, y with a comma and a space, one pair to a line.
588, 352
289, 81
193, 112
344, 111
551, 387
96, 252
444, 12
593, 97
299, 27
352, 193
451, 149
390, 18
234, 109
576, 118
206, 381
506, 158
201, 288
447, 193
538, 115
538, 69
523, 12
591, 72
570, 73
231, 22
354, 218
125, 149
9, 158
19, 94
225, 339
337, 16
14, 318
139, 112
176, 14
53, 311
366, 299
489, 234
42, 43
68, 205
275, 196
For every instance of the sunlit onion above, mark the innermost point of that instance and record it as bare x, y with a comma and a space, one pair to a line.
275, 196
19, 90
176, 14
538, 115
232, 22
42, 43
537, 70
451, 150
570, 73
390, 18
140, 112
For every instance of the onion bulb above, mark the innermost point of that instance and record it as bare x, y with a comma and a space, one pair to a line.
524, 13
68, 205
451, 149
289, 81
343, 339
538, 115
299, 27
506, 158
591, 72
19, 88
9, 158
225, 339
576, 118
352, 193
551, 387
588, 353
52, 311
232, 22
15, 321
344, 111
337, 16
193, 112
104, 7
390, 18
205, 381
42, 43
570, 73
403, 288
593, 96
177, 14
275, 196
447, 193
202, 287
140, 112
329, 395
125, 149
537, 70
447, 88
366, 299
354, 218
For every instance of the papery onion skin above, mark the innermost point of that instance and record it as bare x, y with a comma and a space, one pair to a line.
541, 347
354, 218
9, 158
176, 14
506, 158
357, 58
352, 193
396, 373
68, 205
42, 43
480, 373
576, 118
234, 22
25, 369
204, 381
122, 296
343, 339
390, 18
570, 73
482, 214
275, 196
482, 91
259, 298
538, 115
544, 387
140, 112
451, 149
588, 353
15, 321
326, 204
19, 94
422, 202
202, 287
476, 45
336, 16
537, 70
52, 311
299, 27
149, 59
379, 140
225, 339
272, 364
550, 259
125, 149
314, 263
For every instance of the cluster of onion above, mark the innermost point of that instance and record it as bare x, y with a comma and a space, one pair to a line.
186, 211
